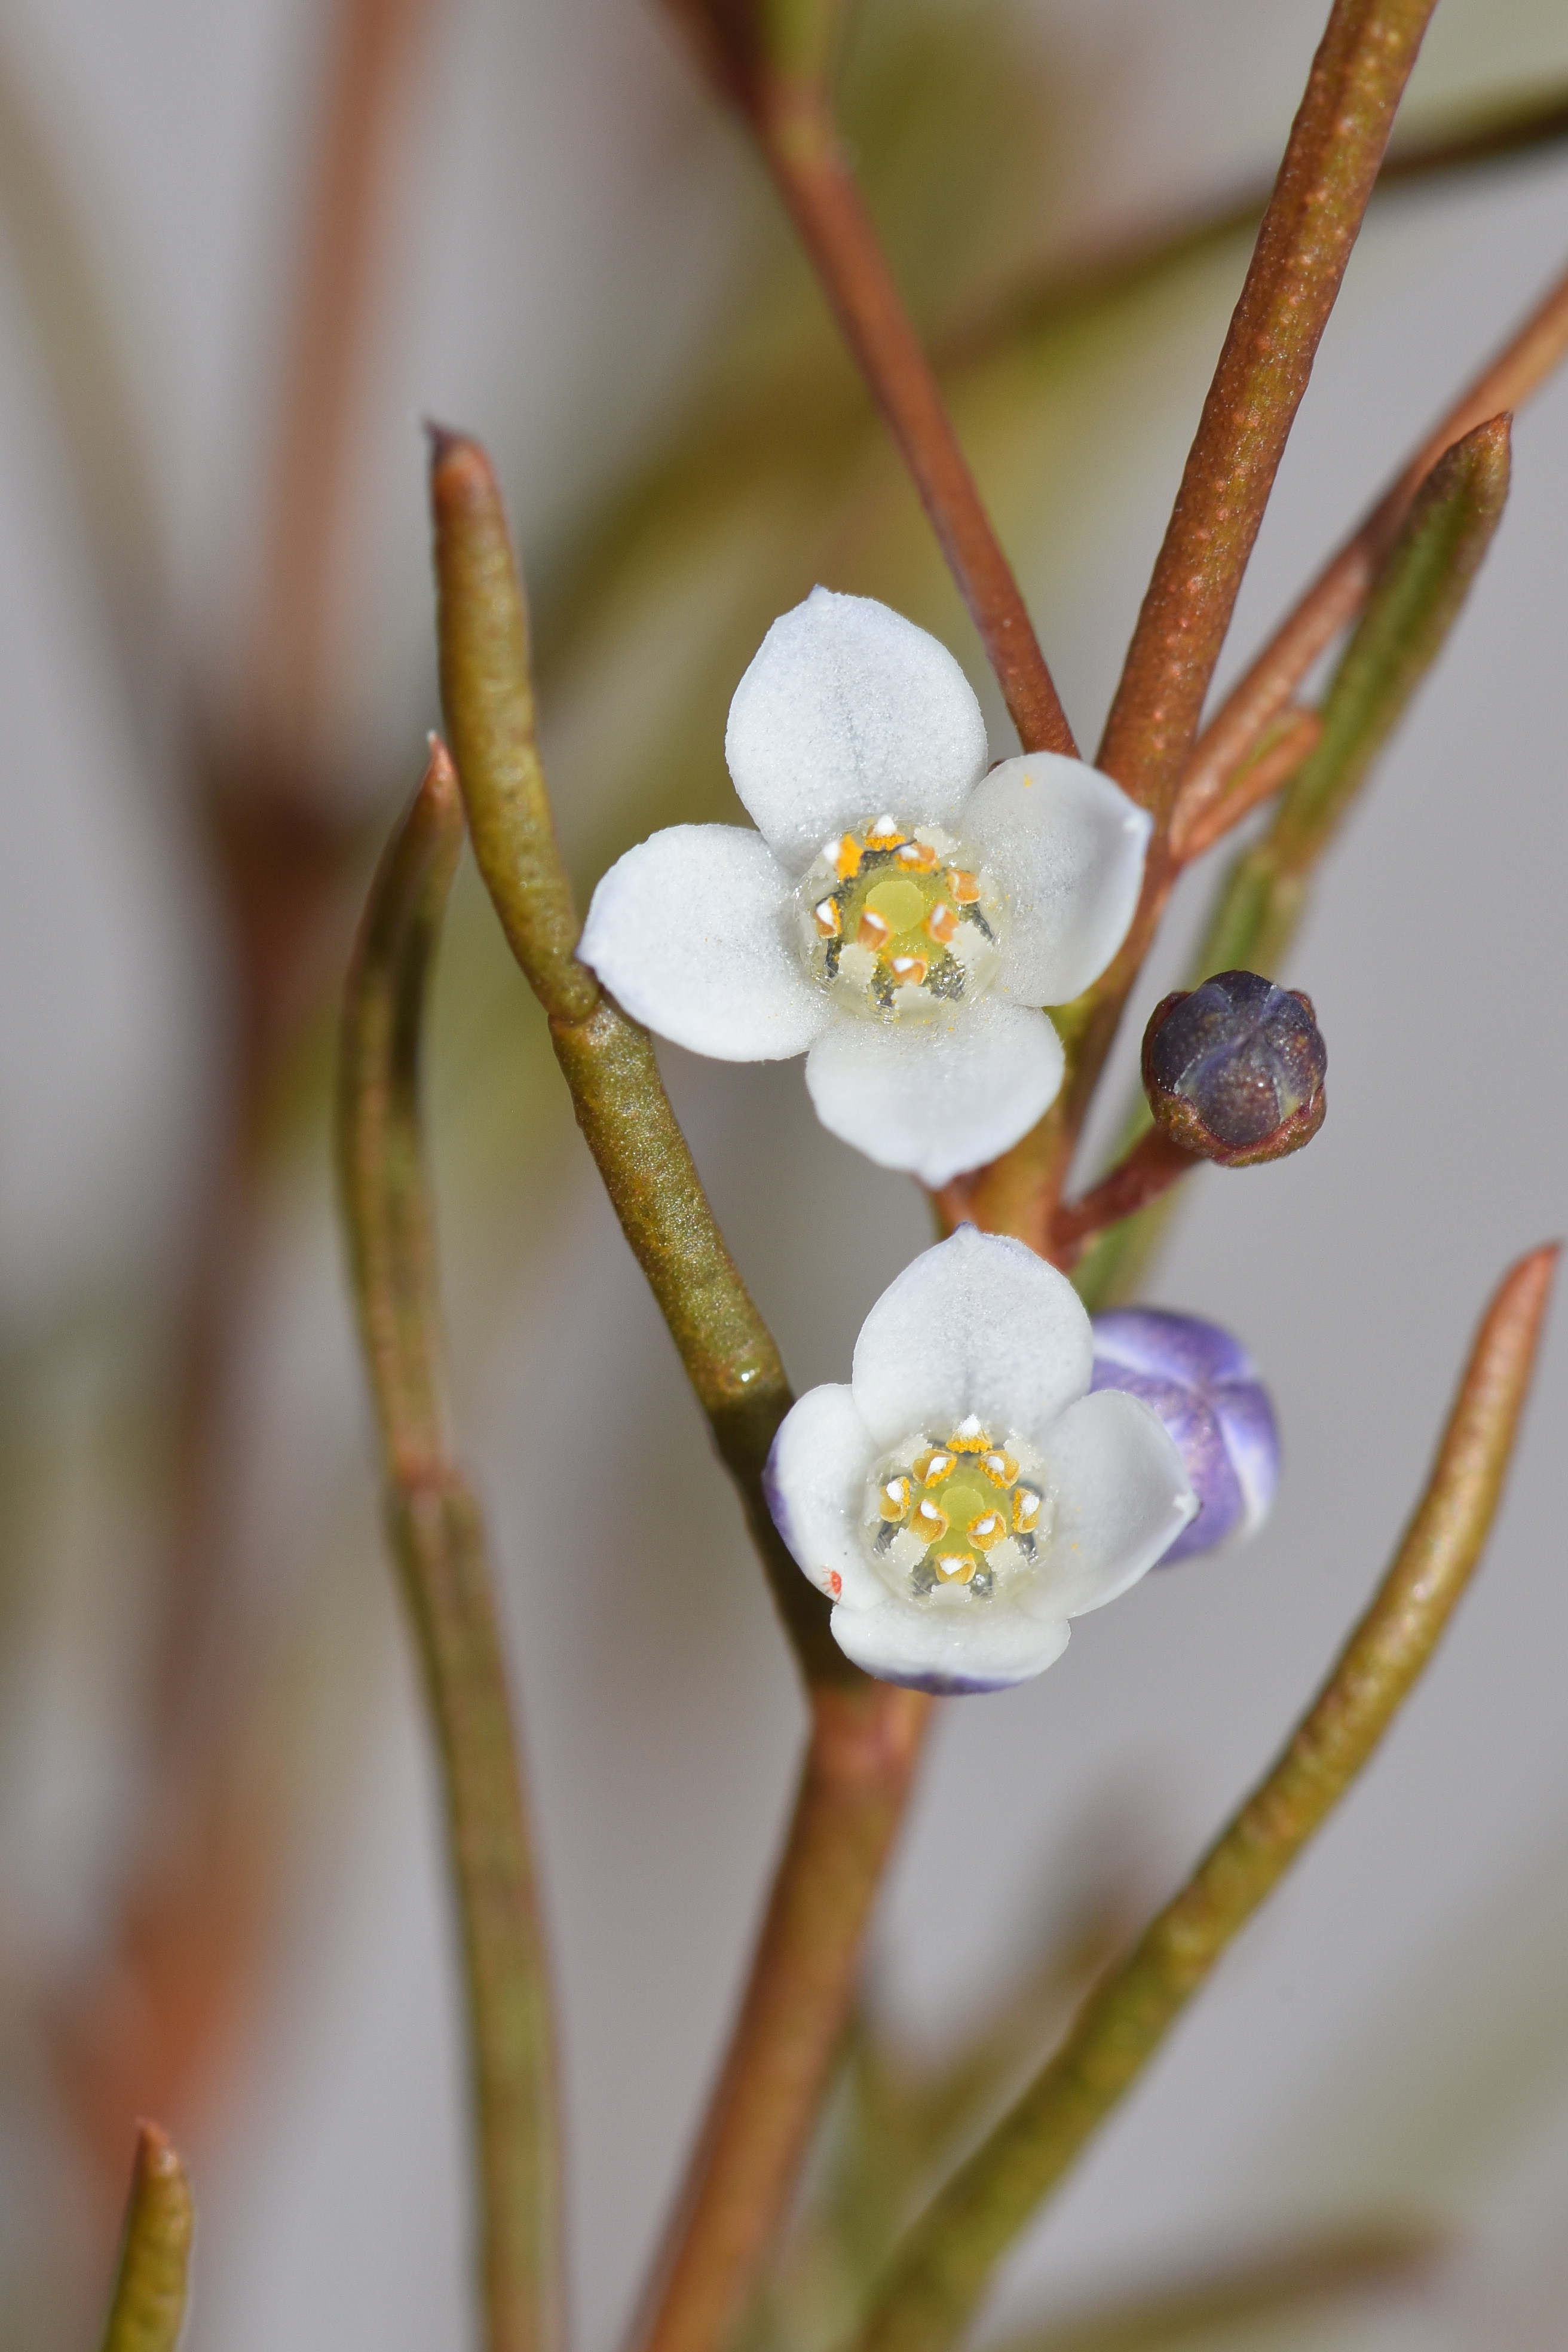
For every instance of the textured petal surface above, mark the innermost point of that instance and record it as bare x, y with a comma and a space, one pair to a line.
1067, 846
1204, 1387
816, 1486
947, 1651
935, 1096
1119, 1496
849, 711
689, 931
979, 1325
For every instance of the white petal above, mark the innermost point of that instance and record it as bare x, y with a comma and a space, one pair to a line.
949, 1651
1121, 1497
936, 1095
977, 1324
848, 712
689, 931
815, 1484
1067, 846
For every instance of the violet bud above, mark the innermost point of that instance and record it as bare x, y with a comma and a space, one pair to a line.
1204, 1387
1234, 1070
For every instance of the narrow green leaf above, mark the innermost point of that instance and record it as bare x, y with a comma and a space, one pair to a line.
729, 1354
148, 2305
438, 1539
950, 2256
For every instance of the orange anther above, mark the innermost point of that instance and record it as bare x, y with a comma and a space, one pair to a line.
844, 855
909, 969
825, 915
873, 930
965, 887
918, 856
942, 924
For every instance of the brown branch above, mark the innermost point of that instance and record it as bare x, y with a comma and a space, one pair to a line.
1331, 165
1202, 817
772, 64
1150, 1168
1340, 589
854, 1787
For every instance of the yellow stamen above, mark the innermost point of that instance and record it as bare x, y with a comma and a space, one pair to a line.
965, 887
884, 834
873, 930
825, 914
1026, 1510
954, 1567
988, 1529
970, 1438
929, 1521
895, 1497
844, 855
932, 1467
911, 970
918, 856
1000, 1468
942, 924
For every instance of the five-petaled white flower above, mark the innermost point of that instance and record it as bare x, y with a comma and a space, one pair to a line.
965, 1495
900, 917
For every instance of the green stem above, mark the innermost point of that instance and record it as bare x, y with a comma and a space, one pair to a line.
948, 2260
437, 1542
729, 1353
148, 2305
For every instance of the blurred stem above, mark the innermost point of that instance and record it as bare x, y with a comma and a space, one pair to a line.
1203, 819
148, 2305
1330, 167
773, 67
950, 2256
866, 1740
729, 1354
1414, 600
375, 44
438, 1542
1497, 132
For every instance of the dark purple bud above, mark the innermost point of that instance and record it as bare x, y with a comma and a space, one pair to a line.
1234, 1070
1206, 1389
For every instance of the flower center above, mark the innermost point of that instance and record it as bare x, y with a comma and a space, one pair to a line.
896, 923
956, 1519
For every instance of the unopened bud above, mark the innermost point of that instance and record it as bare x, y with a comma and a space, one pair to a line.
1204, 1388
1234, 1070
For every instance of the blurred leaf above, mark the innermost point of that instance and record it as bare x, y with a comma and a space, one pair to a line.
149, 2300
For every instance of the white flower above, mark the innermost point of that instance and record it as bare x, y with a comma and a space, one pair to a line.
898, 917
965, 1495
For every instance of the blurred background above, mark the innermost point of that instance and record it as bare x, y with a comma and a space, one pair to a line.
243, 252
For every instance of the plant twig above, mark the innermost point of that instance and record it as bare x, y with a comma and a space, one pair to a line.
1336, 594
1149, 1169
1330, 167
729, 1355
1414, 600
772, 63
865, 1743
1202, 819
865, 1737
148, 2303
949, 2257
438, 1539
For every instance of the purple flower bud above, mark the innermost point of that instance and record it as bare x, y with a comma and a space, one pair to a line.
1234, 1070
1206, 1389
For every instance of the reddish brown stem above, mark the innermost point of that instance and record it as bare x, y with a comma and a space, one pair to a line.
796, 129
1340, 589
866, 1740
1150, 1168
1329, 168
1202, 817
